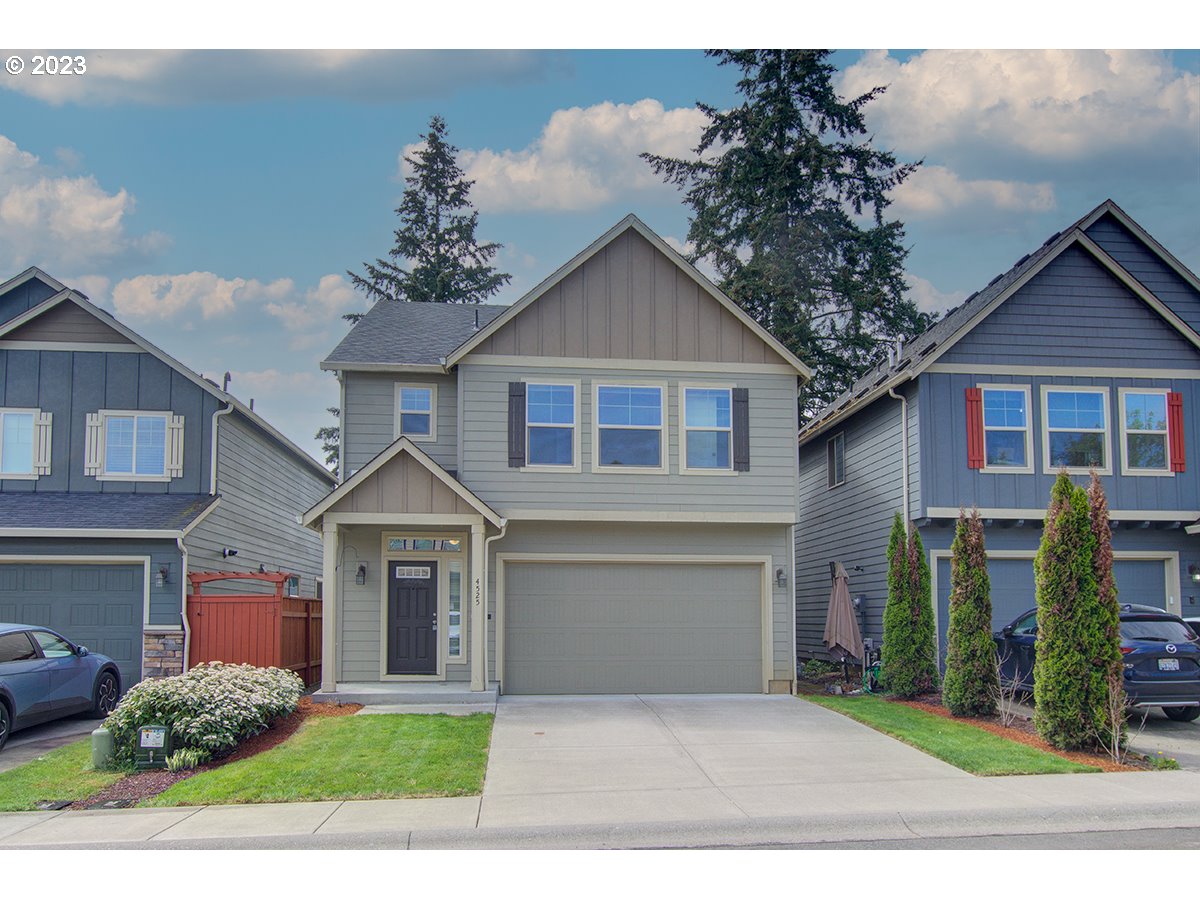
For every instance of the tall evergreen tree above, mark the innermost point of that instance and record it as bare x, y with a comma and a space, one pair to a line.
909, 653
788, 201
971, 685
436, 238
1108, 663
330, 438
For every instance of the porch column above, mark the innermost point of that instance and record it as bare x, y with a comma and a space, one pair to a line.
331, 553
479, 620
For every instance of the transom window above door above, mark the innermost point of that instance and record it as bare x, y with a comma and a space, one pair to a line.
1007, 437
629, 427
708, 429
416, 411
1075, 429
551, 419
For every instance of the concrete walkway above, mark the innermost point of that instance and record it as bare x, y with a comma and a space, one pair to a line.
666, 771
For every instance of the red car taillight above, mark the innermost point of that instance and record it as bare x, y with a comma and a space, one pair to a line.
1125, 650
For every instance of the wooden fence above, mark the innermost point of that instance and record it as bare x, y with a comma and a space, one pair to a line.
259, 629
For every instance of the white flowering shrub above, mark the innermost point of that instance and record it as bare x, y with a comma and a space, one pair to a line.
212, 707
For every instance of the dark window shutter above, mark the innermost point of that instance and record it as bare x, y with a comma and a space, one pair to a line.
516, 424
1175, 432
974, 428
741, 430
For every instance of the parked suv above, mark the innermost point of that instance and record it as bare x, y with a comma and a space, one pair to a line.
1162, 659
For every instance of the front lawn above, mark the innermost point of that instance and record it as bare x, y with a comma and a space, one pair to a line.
352, 758
958, 743
62, 774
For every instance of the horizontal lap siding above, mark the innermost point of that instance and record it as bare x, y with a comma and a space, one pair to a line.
370, 417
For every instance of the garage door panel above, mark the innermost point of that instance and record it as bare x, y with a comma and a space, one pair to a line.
632, 628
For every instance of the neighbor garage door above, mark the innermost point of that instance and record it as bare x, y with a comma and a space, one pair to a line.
98, 606
618, 628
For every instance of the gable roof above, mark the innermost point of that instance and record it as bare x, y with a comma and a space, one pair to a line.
31, 272
397, 334
68, 295
629, 222
383, 457
924, 350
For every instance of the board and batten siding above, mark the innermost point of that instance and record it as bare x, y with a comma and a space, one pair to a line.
23, 298
369, 420
402, 486
71, 384
1164, 282
263, 489
68, 323
769, 486
1075, 312
851, 523
601, 538
949, 483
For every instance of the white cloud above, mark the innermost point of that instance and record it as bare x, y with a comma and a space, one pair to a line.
1048, 104
332, 297
167, 296
935, 190
58, 221
928, 298
583, 158
185, 77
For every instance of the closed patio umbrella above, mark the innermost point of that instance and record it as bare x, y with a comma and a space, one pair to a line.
842, 636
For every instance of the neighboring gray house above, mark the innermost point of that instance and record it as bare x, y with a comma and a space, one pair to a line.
591, 491
122, 469
1086, 354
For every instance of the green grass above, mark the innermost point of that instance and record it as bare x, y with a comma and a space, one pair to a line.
352, 758
958, 743
62, 774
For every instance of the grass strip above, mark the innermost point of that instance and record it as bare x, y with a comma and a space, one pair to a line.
958, 743
352, 758
62, 774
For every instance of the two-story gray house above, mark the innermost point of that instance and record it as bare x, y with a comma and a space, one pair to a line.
121, 470
590, 491
1085, 355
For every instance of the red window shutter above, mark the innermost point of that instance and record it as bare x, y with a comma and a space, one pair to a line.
974, 428
1175, 432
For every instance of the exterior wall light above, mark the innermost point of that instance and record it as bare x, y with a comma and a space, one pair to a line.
780, 577
1194, 571
360, 577
163, 576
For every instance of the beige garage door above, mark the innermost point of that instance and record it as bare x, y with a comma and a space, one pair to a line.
622, 628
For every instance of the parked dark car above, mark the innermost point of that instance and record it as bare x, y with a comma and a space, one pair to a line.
1162, 659
44, 676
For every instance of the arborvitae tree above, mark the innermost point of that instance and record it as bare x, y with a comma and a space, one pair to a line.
436, 237
1065, 672
1108, 662
971, 685
788, 199
909, 654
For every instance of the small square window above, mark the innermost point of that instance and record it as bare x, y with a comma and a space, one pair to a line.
416, 411
135, 445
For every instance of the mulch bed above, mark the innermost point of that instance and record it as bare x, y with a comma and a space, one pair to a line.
133, 788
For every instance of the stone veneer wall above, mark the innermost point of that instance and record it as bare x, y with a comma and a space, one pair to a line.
162, 654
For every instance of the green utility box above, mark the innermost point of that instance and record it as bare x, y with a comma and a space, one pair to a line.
154, 745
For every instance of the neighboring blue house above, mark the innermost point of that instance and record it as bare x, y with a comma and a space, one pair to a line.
122, 469
1085, 355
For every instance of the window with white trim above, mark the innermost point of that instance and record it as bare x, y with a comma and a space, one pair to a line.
1075, 428
835, 460
416, 411
454, 628
24, 443
629, 427
551, 418
708, 428
1007, 436
1145, 448
134, 445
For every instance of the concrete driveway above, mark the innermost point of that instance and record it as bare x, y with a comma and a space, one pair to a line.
30, 743
1180, 740
584, 760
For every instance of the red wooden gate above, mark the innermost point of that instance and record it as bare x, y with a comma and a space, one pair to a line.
259, 629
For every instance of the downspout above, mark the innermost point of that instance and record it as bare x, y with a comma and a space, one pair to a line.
183, 598
903, 451
487, 597
212, 464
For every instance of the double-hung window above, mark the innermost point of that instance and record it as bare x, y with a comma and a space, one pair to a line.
16, 442
551, 422
1145, 447
707, 429
629, 427
1075, 429
134, 445
416, 411
1007, 436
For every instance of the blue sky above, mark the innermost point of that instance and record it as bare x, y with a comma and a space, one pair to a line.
214, 200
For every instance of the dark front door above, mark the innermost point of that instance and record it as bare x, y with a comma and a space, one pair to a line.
412, 618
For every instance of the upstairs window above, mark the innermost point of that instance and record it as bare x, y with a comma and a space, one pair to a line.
629, 427
416, 411
835, 460
1076, 429
1007, 437
708, 429
134, 446
551, 417
1145, 444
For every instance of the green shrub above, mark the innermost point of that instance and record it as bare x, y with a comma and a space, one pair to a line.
909, 652
815, 668
212, 707
1110, 691
971, 685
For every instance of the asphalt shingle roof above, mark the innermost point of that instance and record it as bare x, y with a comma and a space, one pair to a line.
397, 333
134, 512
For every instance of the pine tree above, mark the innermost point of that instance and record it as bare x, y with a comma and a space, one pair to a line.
788, 200
330, 438
1064, 672
436, 238
909, 653
971, 686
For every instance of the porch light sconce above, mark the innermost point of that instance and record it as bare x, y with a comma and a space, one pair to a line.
780, 577
164, 576
1194, 572
360, 577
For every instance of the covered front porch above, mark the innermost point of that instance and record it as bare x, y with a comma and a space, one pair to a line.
405, 584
